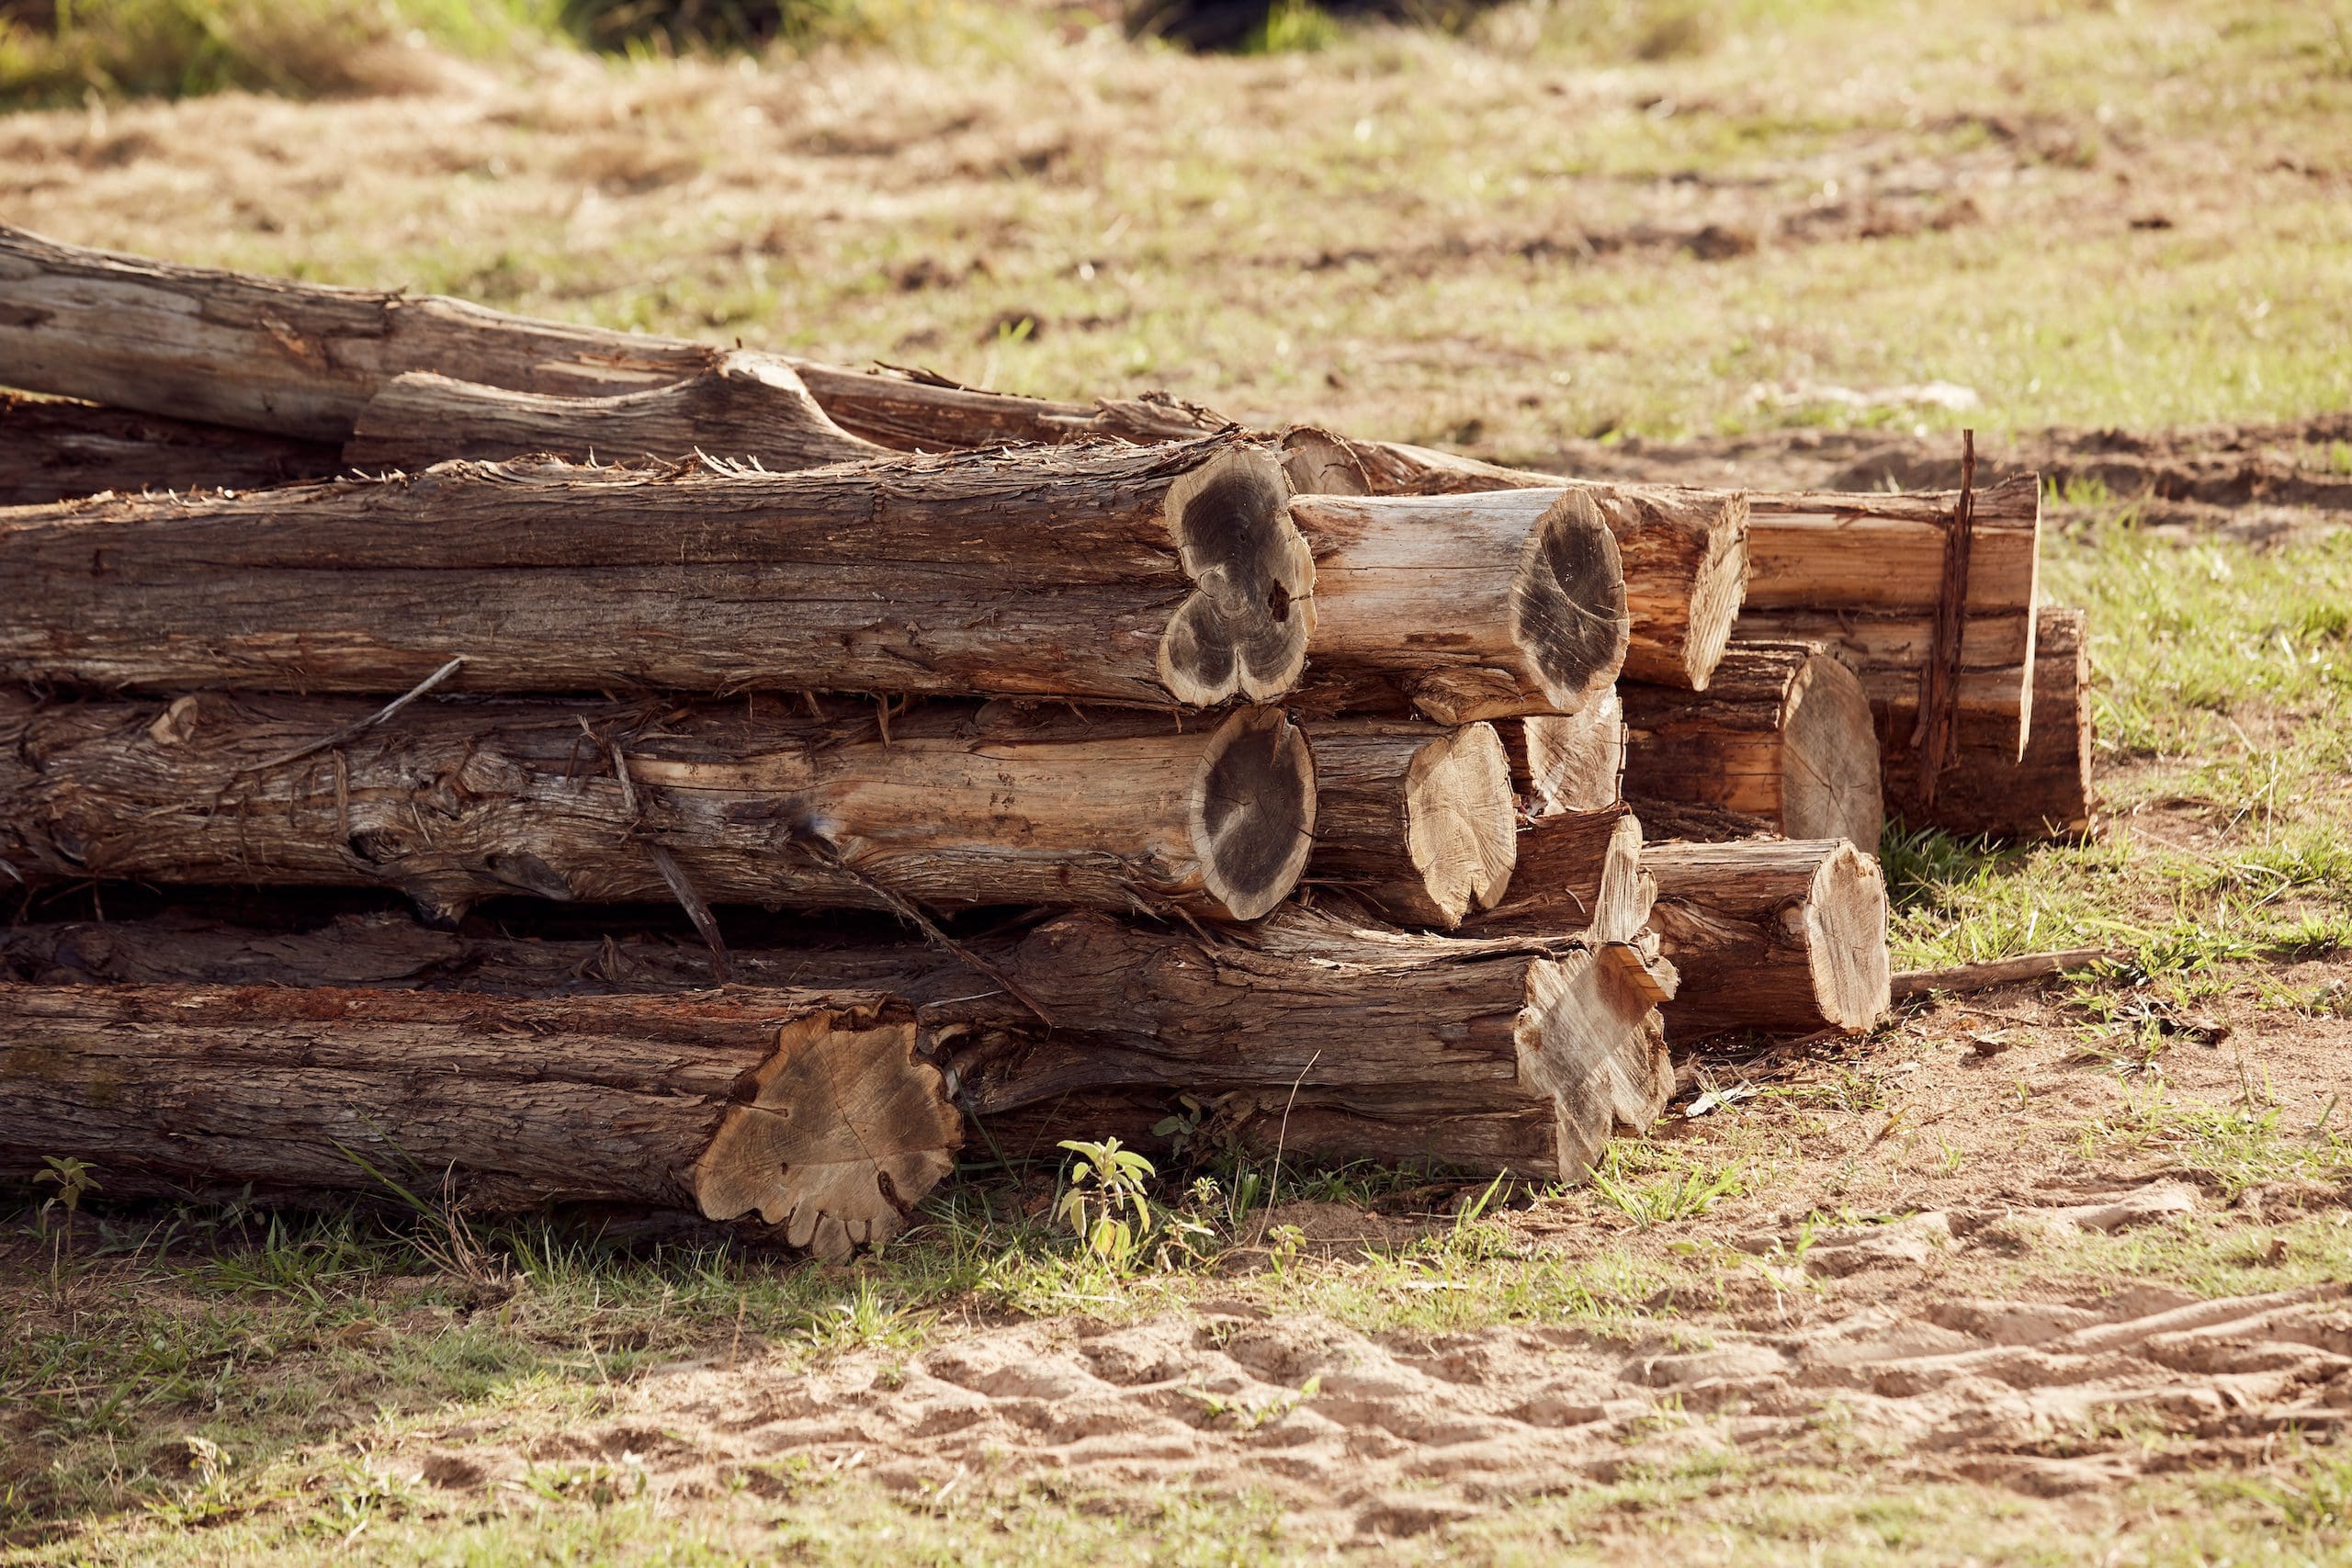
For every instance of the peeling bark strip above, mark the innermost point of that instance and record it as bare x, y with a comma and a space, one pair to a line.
746, 408
1462, 607
2046, 793
1933, 737
1783, 738
1519, 1054
1416, 819
455, 801
1772, 937
1145, 575
810, 1111
49, 451
1685, 550
1569, 763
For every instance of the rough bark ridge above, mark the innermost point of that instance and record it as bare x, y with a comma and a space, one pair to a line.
1784, 937
1462, 607
51, 451
1416, 819
1685, 550
1861, 575
464, 799
2046, 793
1783, 736
1145, 575
1569, 763
810, 1110
1521, 1053
746, 408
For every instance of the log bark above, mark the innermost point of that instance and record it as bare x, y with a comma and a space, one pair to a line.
811, 1112
1146, 575
1569, 763
1416, 819
1772, 937
1862, 575
1364, 1042
1577, 871
1462, 608
920, 412
1684, 551
1783, 738
747, 407
2046, 793
52, 450
456, 801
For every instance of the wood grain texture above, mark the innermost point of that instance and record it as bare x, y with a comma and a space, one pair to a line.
2046, 793
811, 1110
1569, 762
1772, 937
1417, 819
1462, 607
457, 800
1783, 739
52, 450
1147, 575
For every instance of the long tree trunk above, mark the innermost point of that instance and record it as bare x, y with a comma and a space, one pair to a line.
1462, 607
746, 408
460, 800
1524, 1053
1685, 550
1782, 739
1416, 819
1147, 575
52, 450
812, 1111
1569, 761
1781, 938
2046, 793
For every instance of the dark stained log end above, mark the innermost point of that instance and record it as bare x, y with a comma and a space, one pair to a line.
1461, 826
1243, 632
1845, 917
1252, 812
842, 1132
1829, 761
1568, 603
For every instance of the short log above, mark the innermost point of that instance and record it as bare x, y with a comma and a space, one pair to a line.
1772, 937
2046, 793
1569, 762
1417, 819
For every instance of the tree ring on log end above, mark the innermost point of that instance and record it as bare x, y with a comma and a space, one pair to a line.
1568, 603
1845, 926
1244, 630
1829, 760
1460, 821
841, 1132
1319, 463
1252, 811
1717, 589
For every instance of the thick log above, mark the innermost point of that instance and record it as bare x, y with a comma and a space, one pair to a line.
1462, 607
1685, 550
53, 450
1772, 937
456, 801
1861, 575
746, 408
812, 1111
1143, 575
1364, 1043
1783, 739
1569, 761
2046, 793
1416, 819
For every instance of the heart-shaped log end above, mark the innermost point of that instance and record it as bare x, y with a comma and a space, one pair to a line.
1252, 811
1243, 631
1568, 604
843, 1131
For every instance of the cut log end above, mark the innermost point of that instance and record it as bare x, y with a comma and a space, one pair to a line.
1572, 761
1845, 919
1243, 632
1591, 1037
1568, 607
1319, 463
1830, 780
1252, 812
1460, 831
843, 1132
1717, 589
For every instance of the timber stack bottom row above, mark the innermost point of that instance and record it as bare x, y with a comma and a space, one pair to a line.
453, 751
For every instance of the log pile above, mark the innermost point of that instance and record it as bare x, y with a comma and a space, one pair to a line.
438, 691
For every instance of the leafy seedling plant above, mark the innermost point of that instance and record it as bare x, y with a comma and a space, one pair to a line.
1103, 1199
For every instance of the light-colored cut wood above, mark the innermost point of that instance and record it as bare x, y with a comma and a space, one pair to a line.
1772, 936
1415, 818
1569, 761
